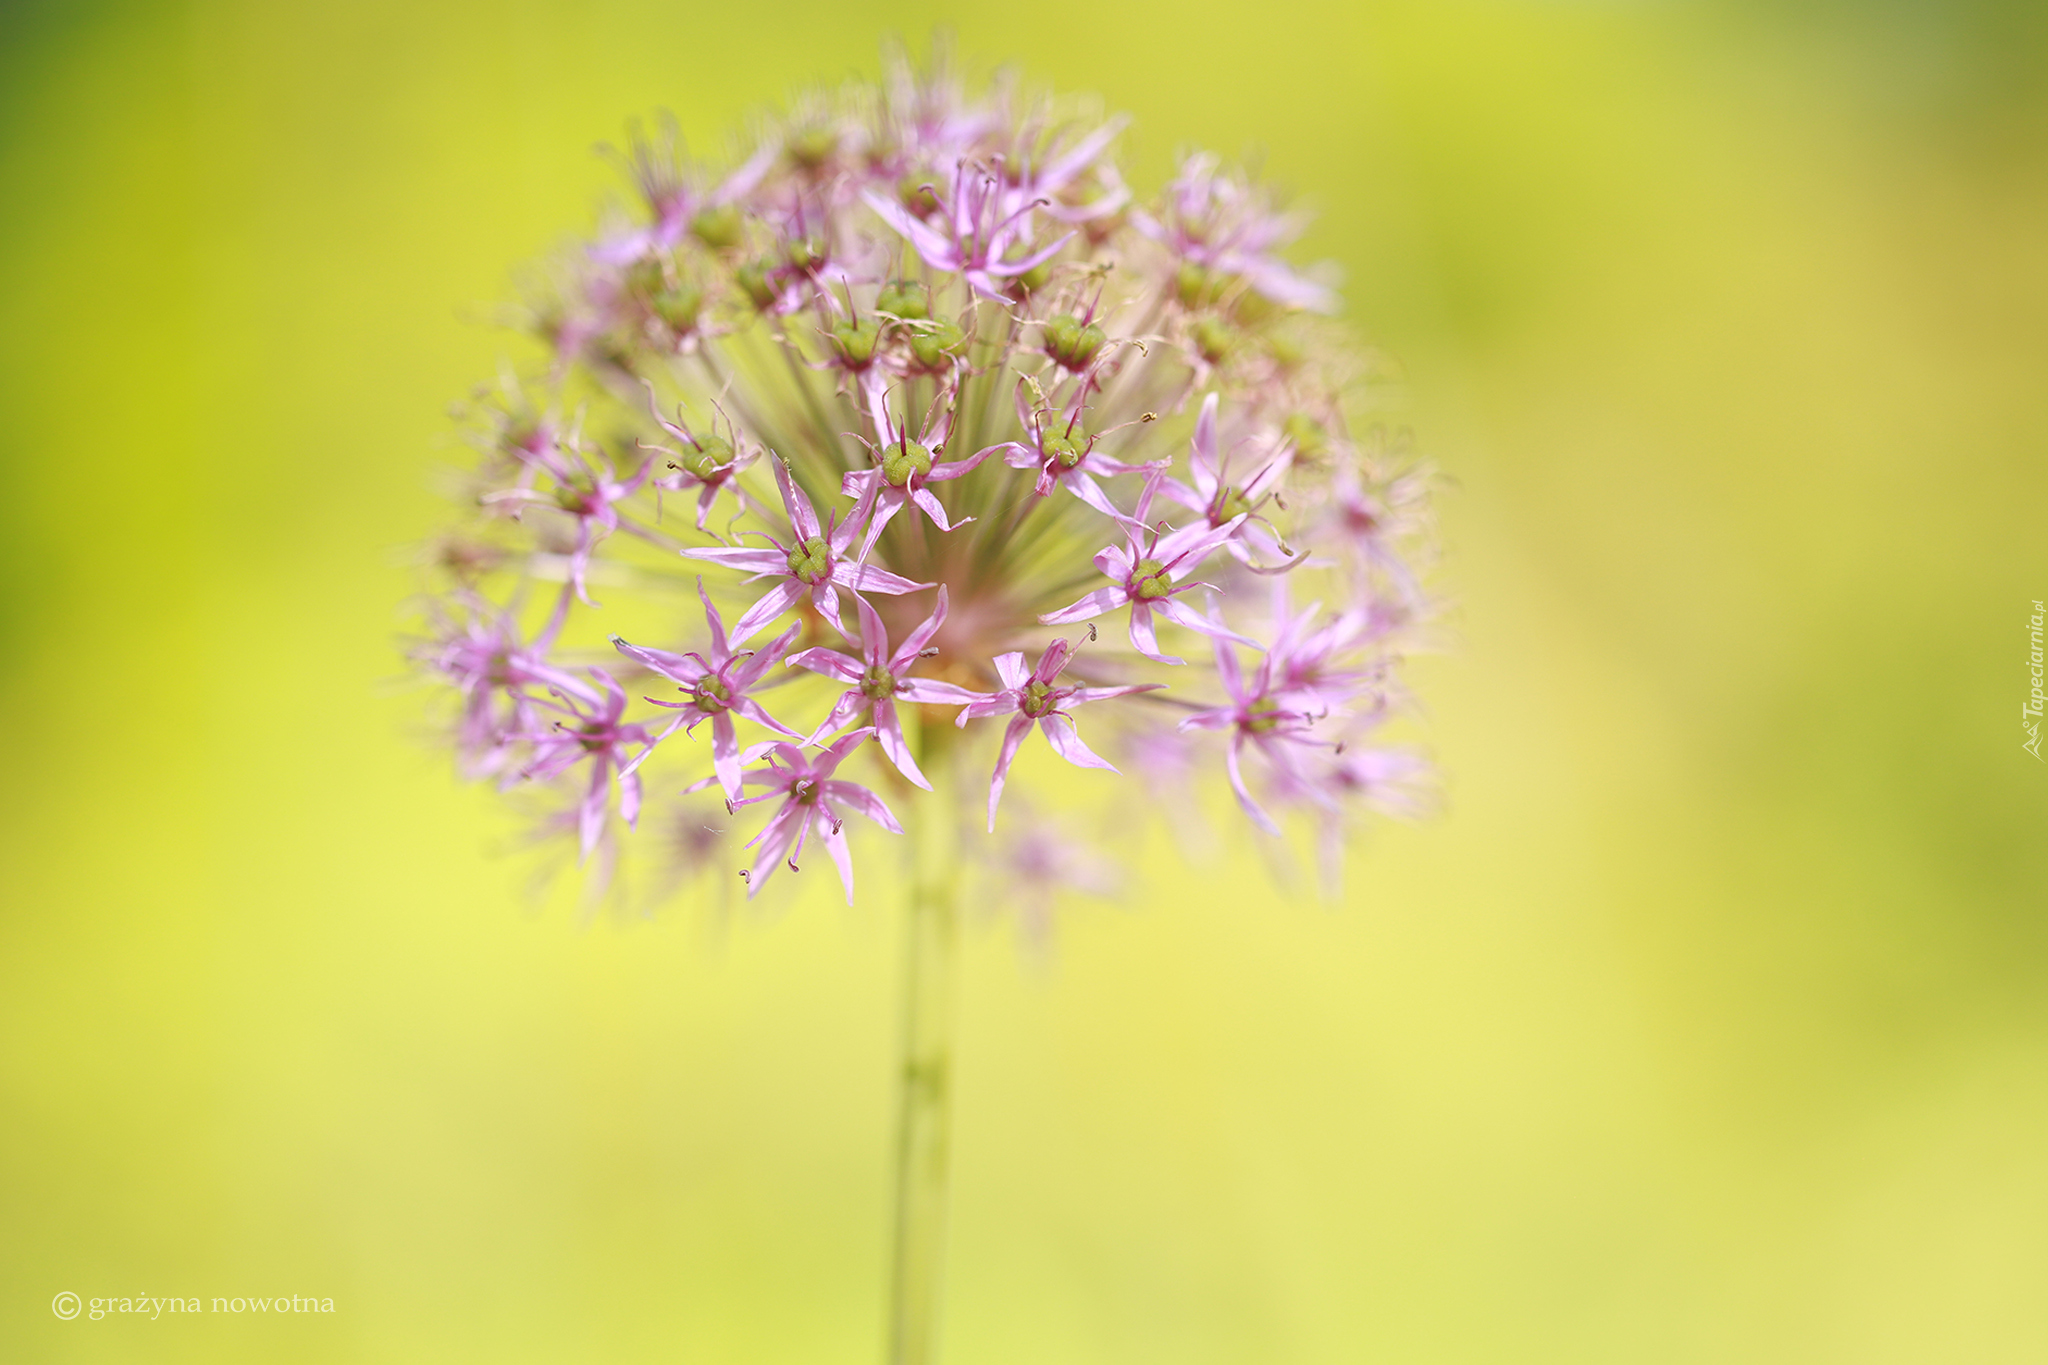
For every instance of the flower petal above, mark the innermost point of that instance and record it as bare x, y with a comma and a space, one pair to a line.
1066, 742
864, 802
773, 603
829, 662
1094, 604
920, 636
1019, 726
889, 734
1012, 669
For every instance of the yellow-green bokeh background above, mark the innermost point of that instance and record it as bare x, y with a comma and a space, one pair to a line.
1707, 1025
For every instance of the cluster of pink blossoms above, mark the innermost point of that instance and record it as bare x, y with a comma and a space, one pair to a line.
964, 439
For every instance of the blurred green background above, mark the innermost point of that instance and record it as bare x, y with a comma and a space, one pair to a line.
1707, 1025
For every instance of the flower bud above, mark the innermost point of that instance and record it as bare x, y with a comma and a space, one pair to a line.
904, 299
679, 307
718, 228
855, 342
1196, 285
1311, 440
1071, 343
936, 347
813, 147
573, 493
1230, 502
753, 280
804, 254
916, 194
646, 278
1254, 310
1214, 339
1032, 280
712, 454
1038, 699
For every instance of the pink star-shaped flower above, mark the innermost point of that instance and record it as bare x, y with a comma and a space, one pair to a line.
591, 730
877, 682
1148, 571
1219, 501
586, 490
904, 465
1033, 696
1063, 454
816, 564
717, 686
812, 799
978, 224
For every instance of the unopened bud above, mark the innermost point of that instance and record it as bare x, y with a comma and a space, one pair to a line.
937, 347
855, 342
904, 299
915, 192
804, 254
718, 228
1196, 285
754, 282
1214, 339
813, 147
1032, 280
1072, 343
1310, 439
712, 454
679, 307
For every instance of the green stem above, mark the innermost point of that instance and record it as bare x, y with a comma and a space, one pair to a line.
923, 1134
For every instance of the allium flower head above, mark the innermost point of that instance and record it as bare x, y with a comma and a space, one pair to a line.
1067, 453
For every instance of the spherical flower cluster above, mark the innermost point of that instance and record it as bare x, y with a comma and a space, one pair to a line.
909, 435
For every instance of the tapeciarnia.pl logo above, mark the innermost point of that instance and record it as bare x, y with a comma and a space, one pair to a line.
2030, 713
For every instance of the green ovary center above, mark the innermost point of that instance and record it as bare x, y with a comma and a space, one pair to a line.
855, 341
710, 457
903, 460
1038, 699
1062, 451
1149, 582
576, 493
712, 695
812, 561
878, 683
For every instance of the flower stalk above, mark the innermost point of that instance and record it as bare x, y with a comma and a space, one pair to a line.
931, 942
924, 1077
